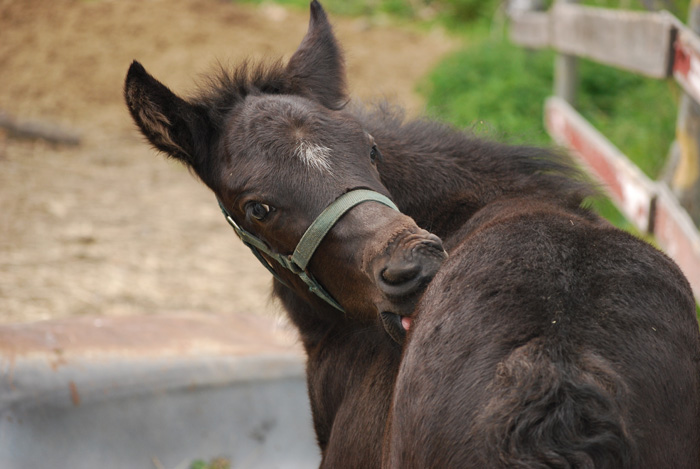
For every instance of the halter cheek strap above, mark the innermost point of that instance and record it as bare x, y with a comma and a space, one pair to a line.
298, 261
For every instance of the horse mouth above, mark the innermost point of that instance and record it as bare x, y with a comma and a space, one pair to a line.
402, 275
396, 325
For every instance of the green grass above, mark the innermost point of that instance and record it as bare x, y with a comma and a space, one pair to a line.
396, 8
501, 87
492, 87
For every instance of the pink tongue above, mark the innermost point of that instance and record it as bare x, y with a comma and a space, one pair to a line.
406, 322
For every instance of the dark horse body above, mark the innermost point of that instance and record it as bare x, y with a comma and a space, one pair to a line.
548, 339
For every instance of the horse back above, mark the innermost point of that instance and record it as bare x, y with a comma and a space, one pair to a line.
550, 340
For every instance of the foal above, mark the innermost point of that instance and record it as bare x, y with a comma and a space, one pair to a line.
535, 344
296, 175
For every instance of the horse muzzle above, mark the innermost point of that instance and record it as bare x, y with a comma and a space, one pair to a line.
402, 274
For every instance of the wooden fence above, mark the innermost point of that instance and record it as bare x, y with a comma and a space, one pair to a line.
654, 44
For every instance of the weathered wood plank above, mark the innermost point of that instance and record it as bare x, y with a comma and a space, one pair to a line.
530, 29
636, 41
628, 187
678, 236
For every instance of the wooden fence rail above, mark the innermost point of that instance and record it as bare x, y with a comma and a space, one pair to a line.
654, 44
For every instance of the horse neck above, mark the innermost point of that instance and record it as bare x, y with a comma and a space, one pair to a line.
350, 377
441, 177
433, 184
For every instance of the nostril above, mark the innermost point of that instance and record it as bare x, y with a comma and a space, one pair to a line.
397, 275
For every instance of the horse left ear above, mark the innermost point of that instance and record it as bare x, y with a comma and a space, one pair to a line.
317, 69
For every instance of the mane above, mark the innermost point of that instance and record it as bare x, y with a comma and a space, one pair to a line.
455, 167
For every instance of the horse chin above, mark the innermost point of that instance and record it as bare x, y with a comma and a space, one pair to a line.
396, 315
393, 325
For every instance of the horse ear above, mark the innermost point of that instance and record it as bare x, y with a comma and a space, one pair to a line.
171, 124
317, 68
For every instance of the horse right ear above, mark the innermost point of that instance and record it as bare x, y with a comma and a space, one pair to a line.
317, 68
171, 124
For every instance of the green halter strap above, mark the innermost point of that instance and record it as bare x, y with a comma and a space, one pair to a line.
298, 261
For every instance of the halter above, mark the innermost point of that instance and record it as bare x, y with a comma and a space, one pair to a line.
299, 260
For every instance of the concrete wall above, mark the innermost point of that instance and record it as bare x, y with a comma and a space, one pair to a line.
153, 392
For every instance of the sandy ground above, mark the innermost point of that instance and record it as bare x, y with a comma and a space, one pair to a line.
110, 227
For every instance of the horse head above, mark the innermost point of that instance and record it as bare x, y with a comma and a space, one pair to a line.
278, 150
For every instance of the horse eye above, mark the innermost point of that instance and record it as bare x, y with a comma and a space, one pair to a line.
258, 210
375, 155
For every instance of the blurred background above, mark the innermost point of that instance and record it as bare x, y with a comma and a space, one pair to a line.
109, 227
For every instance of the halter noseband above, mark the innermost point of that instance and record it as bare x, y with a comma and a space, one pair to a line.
299, 260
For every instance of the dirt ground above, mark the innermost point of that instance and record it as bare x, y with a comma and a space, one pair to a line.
110, 227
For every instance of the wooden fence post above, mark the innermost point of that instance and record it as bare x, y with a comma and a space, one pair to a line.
566, 73
685, 179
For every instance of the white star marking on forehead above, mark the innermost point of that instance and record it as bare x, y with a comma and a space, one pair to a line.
314, 156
